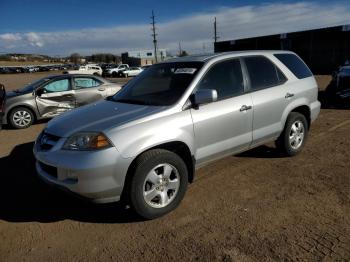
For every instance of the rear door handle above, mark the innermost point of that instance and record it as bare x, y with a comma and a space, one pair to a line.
289, 95
245, 108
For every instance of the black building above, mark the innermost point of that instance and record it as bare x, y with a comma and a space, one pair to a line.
324, 49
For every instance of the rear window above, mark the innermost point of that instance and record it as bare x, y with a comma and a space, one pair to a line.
263, 73
294, 64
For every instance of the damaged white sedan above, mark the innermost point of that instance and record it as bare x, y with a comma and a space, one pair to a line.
53, 95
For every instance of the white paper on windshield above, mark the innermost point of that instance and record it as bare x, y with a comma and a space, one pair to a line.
185, 71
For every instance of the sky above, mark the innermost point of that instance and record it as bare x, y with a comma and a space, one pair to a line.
59, 28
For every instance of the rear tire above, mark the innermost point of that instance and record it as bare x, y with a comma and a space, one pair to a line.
114, 74
294, 135
21, 117
158, 183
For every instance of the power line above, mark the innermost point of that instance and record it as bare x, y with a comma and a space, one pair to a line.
154, 35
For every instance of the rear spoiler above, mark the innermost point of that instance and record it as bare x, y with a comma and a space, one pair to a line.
2, 98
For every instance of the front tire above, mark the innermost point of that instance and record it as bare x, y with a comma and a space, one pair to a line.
21, 118
158, 183
294, 135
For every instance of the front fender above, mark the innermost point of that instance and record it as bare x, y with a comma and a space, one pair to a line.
11, 105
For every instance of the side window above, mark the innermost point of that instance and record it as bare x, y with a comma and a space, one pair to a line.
57, 86
295, 64
263, 73
225, 77
85, 82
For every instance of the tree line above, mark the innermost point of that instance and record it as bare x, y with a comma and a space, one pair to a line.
76, 58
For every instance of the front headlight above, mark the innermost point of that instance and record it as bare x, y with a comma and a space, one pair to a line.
87, 141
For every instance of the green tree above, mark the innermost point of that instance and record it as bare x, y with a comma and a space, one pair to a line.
75, 58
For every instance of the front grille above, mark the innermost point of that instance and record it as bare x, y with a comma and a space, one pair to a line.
50, 170
47, 141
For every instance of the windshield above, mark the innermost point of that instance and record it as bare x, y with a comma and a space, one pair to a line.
160, 85
31, 86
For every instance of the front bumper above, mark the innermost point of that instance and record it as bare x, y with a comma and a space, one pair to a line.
96, 175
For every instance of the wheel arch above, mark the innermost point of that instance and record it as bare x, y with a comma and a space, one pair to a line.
301, 106
178, 147
304, 110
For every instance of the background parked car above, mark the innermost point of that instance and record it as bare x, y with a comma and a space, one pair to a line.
132, 71
116, 71
51, 96
339, 92
87, 70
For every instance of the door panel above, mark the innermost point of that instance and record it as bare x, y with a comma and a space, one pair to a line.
89, 95
55, 98
222, 128
269, 87
88, 90
269, 105
52, 104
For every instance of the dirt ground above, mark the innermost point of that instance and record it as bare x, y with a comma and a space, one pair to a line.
256, 206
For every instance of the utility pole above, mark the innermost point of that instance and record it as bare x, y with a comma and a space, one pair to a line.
180, 49
215, 32
154, 35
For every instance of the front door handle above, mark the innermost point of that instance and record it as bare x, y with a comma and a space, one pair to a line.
101, 89
245, 108
289, 95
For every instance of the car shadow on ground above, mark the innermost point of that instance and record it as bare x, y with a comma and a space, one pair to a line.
263, 151
25, 198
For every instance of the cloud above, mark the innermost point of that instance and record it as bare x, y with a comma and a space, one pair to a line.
34, 39
195, 32
10, 37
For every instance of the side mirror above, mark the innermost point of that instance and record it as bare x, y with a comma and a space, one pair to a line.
204, 96
39, 92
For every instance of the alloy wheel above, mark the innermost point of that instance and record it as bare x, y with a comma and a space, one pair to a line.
22, 118
296, 135
161, 185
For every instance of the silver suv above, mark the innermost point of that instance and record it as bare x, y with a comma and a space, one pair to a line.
143, 144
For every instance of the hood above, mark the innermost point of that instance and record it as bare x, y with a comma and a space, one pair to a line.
10, 94
98, 117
